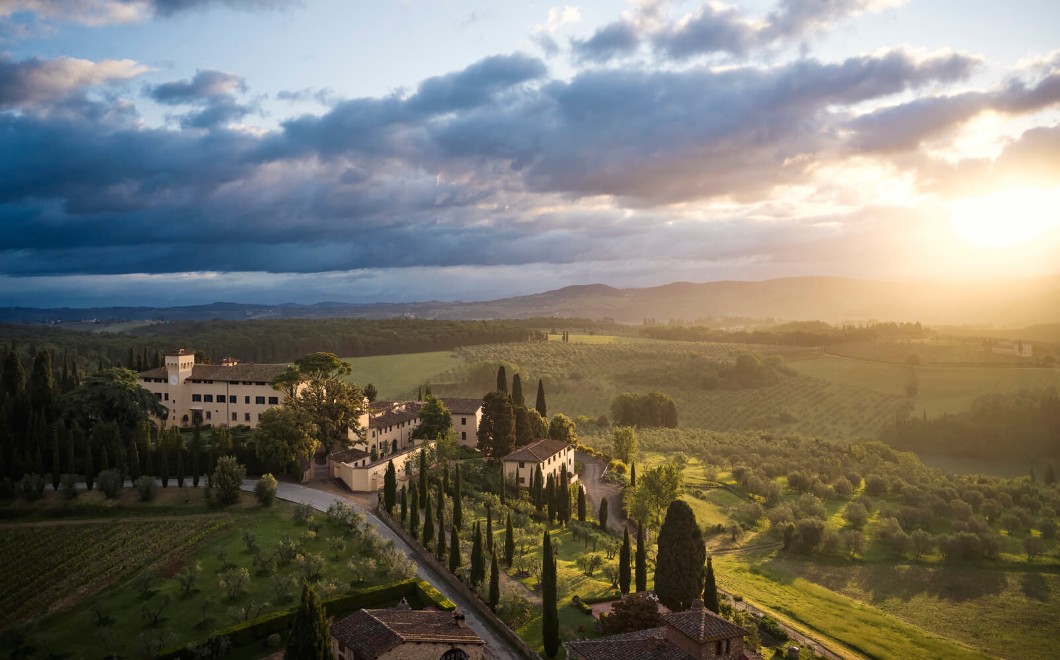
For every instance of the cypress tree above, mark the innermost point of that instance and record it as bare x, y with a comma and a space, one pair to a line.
428, 523
539, 487
641, 563
509, 542
163, 466
489, 530
478, 560
90, 470
680, 559
550, 619
710, 588
563, 498
134, 459
581, 504
446, 486
55, 459
71, 461
623, 564
502, 380
541, 407
423, 479
551, 498
458, 499
196, 449
414, 514
439, 546
390, 487
602, 514
404, 505
495, 582
517, 390
633, 474
454, 550
180, 468
104, 464
309, 638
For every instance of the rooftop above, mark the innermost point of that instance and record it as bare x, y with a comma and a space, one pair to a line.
469, 406
370, 633
537, 451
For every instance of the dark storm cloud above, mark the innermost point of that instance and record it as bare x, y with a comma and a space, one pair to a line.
172, 7
475, 85
714, 28
611, 41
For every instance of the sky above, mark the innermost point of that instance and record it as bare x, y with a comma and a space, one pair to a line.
174, 152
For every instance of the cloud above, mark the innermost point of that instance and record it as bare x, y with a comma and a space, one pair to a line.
214, 92
35, 82
614, 40
107, 12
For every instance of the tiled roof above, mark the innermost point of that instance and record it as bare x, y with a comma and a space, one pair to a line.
469, 406
370, 633
650, 644
701, 625
239, 372
537, 451
391, 418
350, 455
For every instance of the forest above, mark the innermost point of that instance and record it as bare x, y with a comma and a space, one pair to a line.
789, 334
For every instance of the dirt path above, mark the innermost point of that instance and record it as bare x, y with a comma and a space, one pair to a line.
596, 490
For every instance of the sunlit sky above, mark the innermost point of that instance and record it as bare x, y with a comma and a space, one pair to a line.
167, 152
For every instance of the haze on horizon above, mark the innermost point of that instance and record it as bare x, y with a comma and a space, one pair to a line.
170, 152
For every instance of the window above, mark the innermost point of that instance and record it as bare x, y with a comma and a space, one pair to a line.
463, 421
207, 414
259, 400
247, 399
717, 647
463, 435
208, 398
521, 464
231, 398
259, 417
234, 416
260, 382
274, 400
196, 398
166, 396
522, 480
246, 417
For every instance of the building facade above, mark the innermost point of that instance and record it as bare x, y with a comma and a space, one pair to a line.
226, 394
552, 456
402, 633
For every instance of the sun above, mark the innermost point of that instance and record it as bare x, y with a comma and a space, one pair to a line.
1006, 218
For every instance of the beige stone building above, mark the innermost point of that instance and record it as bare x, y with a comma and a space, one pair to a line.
466, 414
553, 456
226, 394
405, 634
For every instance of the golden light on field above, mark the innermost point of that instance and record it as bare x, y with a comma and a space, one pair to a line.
1006, 218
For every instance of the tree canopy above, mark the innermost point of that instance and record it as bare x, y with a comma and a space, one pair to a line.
316, 388
284, 438
111, 395
435, 420
680, 558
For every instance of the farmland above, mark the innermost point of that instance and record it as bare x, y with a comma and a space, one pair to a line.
397, 377
117, 585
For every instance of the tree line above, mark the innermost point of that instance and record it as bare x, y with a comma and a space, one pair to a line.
794, 334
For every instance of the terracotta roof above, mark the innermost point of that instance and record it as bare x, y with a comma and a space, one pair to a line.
350, 455
393, 417
537, 451
650, 644
469, 406
701, 625
239, 372
370, 633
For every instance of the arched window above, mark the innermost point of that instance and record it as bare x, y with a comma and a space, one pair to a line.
454, 654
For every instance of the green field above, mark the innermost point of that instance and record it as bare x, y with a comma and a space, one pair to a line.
397, 377
941, 389
127, 568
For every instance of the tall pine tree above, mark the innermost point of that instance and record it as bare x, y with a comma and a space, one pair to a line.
641, 562
478, 559
680, 558
582, 513
517, 390
454, 550
601, 516
390, 487
542, 409
710, 588
550, 618
509, 542
428, 523
309, 638
624, 564
458, 499
502, 381
495, 582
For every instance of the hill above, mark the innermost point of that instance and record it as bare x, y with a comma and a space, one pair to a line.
1002, 303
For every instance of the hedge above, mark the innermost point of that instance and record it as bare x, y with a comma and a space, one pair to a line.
417, 592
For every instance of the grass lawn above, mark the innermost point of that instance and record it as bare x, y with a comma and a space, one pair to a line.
398, 376
942, 389
130, 566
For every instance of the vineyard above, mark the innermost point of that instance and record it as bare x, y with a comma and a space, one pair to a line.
52, 567
583, 379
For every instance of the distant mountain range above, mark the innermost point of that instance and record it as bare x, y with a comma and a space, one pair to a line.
832, 299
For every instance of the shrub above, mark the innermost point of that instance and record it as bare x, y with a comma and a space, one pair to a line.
69, 486
617, 466
228, 478
110, 483
32, 486
769, 626
265, 489
146, 488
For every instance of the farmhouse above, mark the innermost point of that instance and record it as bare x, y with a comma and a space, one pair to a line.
552, 456
697, 634
1017, 348
467, 414
227, 394
405, 634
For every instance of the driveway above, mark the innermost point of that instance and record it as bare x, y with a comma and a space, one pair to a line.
321, 500
595, 490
